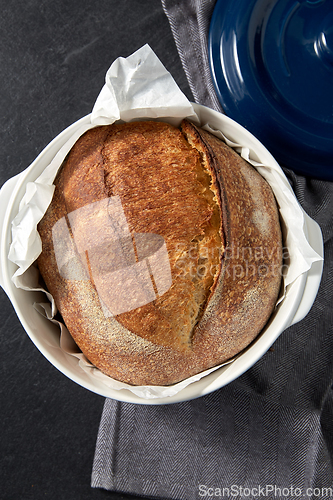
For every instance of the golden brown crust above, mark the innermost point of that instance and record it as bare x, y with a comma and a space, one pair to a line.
206, 202
250, 279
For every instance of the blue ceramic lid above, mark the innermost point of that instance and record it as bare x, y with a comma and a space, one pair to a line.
272, 67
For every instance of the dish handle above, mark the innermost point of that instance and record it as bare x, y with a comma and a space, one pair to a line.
5, 195
314, 274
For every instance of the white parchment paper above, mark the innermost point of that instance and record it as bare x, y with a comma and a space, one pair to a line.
139, 87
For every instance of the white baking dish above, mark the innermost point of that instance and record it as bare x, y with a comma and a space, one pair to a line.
45, 335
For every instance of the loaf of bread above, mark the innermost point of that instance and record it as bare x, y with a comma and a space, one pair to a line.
162, 249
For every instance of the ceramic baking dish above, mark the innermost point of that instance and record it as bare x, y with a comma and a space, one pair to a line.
45, 335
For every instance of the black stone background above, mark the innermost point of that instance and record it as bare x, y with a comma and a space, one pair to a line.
53, 59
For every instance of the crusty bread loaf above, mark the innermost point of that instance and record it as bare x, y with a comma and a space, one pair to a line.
162, 249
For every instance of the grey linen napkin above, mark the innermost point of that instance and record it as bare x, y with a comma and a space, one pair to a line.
268, 434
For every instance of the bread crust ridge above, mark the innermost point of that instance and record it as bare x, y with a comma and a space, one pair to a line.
205, 207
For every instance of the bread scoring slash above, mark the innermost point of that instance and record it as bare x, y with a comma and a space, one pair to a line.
162, 248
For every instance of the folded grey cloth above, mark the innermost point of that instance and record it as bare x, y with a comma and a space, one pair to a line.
269, 434
189, 21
